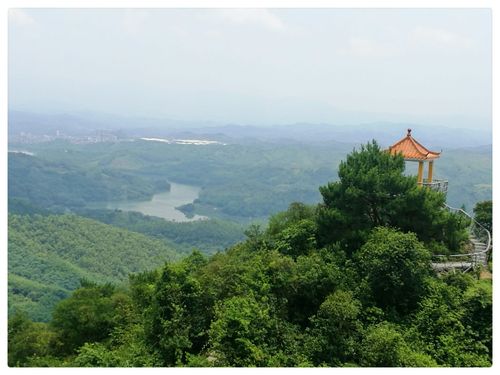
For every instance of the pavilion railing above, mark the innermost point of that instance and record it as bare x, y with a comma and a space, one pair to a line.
438, 185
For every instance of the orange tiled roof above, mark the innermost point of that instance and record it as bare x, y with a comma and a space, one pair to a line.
412, 150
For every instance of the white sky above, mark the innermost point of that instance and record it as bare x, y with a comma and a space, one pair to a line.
254, 65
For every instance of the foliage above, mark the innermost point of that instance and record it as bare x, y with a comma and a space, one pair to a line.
48, 255
178, 316
373, 191
60, 184
259, 307
22, 206
315, 276
26, 340
478, 305
87, 316
394, 266
207, 236
296, 212
384, 346
299, 238
483, 213
440, 328
239, 331
336, 329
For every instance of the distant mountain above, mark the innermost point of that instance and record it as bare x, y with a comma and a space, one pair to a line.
88, 123
438, 135
48, 255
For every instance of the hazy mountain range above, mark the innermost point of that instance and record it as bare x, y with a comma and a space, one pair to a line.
78, 124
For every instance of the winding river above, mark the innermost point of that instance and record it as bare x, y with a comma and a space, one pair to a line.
163, 204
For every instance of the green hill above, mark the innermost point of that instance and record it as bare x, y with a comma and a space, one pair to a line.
49, 255
208, 236
61, 184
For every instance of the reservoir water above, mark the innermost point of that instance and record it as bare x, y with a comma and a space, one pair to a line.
163, 204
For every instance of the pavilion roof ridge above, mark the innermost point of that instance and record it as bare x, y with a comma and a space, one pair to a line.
411, 149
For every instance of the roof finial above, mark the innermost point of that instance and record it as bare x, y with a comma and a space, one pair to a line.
409, 133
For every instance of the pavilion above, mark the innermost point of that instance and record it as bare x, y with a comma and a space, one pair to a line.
412, 150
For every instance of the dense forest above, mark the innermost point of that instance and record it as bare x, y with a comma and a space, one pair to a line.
345, 282
46, 250
208, 236
59, 185
48, 255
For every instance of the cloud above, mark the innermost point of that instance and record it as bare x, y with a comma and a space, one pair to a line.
363, 47
441, 37
20, 17
263, 18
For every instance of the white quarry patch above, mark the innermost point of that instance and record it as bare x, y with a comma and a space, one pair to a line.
22, 152
197, 142
157, 140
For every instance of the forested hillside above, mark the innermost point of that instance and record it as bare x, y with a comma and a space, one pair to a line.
61, 184
49, 255
347, 282
208, 236
238, 181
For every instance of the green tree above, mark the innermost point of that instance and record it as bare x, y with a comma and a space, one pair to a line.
314, 277
296, 212
441, 326
373, 191
94, 355
483, 213
142, 288
179, 316
384, 346
394, 266
370, 189
298, 238
27, 340
239, 332
335, 329
478, 315
87, 316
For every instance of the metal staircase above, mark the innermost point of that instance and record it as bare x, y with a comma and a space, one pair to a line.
481, 245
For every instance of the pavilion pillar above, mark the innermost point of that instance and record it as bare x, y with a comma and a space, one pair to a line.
429, 175
420, 172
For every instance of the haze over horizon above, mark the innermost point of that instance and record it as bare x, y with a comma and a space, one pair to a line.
255, 66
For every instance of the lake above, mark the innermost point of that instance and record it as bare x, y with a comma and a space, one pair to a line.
163, 204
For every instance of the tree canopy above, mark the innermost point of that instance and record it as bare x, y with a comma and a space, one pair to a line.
373, 191
483, 212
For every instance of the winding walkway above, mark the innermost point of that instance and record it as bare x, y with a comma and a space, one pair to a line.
480, 239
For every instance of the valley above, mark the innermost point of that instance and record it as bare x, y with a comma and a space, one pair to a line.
163, 205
